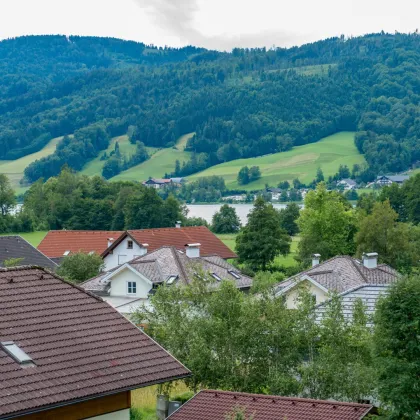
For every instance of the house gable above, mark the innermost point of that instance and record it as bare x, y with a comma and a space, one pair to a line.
121, 251
120, 279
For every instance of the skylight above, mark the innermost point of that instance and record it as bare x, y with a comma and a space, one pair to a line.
66, 253
234, 274
16, 352
171, 279
216, 277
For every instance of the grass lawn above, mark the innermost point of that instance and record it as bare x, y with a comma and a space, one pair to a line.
14, 168
34, 238
161, 162
301, 162
288, 261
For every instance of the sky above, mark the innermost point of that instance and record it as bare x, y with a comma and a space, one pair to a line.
214, 24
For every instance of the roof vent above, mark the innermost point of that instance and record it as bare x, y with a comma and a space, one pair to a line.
315, 259
110, 241
16, 353
143, 249
178, 224
192, 250
370, 260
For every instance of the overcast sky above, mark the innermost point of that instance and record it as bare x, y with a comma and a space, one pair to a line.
218, 24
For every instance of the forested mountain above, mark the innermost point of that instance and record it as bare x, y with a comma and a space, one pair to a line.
242, 104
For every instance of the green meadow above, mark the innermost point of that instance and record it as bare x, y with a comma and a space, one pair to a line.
161, 161
301, 162
14, 168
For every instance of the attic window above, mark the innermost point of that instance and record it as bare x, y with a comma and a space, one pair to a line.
171, 279
66, 253
234, 274
16, 352
215, 276
129, 244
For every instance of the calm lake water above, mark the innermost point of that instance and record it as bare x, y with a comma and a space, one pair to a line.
206, 211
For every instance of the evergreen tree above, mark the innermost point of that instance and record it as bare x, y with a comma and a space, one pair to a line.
7, 195
262, 238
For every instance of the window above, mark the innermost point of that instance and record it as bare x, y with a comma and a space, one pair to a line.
215, 276
16, 352
131, 287
234, 274
171, 279
129, 244
122, 259
66, 253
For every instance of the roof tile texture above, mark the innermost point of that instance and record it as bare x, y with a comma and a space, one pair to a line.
80, 345
56, 242
216, 405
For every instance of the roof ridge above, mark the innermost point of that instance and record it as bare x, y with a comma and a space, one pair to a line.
359, 270
285, 398
179, 263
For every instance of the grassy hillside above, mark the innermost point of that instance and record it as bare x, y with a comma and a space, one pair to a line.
301, 162
94, 167
34, 238
160, 162
14, 168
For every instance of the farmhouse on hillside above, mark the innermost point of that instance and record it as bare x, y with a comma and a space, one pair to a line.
162, 182
15, 247
129, 286
343, 275
118, 247
383, 180
66, 354
347, 184
220, 405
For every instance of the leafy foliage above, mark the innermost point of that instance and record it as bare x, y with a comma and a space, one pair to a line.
80, 266
262, 238
226, 220
397, 348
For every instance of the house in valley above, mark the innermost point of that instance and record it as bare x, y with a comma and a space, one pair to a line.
136, 243
67, 354
14, 247
347, 184
220, 405
163, 182
129, 286
384, 180
342, 275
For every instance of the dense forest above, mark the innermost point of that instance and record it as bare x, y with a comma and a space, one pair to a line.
242, 104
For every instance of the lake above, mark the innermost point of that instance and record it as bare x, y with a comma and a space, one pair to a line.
206, 211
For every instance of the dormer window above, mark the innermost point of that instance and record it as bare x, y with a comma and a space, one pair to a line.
16, 352
66, 253
129, 244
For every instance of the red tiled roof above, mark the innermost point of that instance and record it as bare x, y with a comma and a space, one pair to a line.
56, 242
216, 405
81, 347
179, 237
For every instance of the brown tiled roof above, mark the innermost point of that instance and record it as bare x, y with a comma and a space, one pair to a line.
56, 242
179, 237
81, 347
167, 261
216, 405
343, 273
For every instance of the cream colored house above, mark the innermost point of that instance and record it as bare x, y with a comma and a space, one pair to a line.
340, 275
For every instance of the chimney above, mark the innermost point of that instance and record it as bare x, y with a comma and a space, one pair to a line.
178, 224
370, 260
315, 259
143, 249
192, 250
110, 241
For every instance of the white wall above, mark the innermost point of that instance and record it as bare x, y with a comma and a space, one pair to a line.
293, 294
122, 254
116, 415
119, 284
